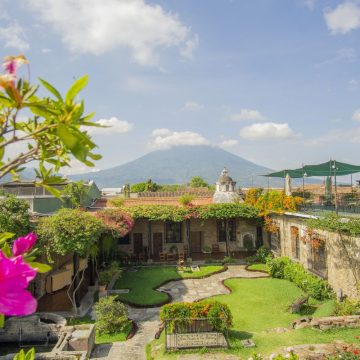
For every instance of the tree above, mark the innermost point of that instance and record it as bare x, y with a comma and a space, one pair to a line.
197, 182
70, 231
14, 216
76, 193
145, 186
50, 129
115, 221
137, 188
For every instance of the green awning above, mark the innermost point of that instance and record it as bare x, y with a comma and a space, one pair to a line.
295, 173
329, 168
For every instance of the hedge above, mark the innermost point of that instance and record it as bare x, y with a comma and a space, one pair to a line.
182, 314
284, 268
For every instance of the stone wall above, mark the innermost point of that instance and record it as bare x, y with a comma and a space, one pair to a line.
342, 254
327, 323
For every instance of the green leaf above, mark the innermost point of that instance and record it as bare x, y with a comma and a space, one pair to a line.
42, 110
6, 101
41, 268
55, 192
94, 156
2, 321
30, 354
50, 88
75, 88
20, 355
6, 250
6, 236
72, 140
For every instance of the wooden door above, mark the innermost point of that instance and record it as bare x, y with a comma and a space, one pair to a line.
157, 245
195, 241
138, 243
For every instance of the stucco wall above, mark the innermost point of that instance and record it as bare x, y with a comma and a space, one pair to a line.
342, 254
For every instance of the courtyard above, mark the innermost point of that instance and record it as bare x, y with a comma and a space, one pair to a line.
260, 307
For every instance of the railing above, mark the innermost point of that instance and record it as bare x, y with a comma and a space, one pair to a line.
193, 333
341, 208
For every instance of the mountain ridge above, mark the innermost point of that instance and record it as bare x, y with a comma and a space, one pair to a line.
178, 164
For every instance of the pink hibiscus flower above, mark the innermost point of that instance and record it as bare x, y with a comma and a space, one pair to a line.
15, 275
23, 244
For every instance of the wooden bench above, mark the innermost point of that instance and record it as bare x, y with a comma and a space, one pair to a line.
295, 306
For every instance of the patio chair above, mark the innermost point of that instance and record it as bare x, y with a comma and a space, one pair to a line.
162, 256
215, 248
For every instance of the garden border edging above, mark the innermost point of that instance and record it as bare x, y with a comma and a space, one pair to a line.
169, 299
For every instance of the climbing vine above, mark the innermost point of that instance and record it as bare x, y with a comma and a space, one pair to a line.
181, 213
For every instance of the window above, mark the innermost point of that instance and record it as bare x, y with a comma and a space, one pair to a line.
295, 242
248, 241
274, 241
221, 230
124, 240
173, 232
317, 260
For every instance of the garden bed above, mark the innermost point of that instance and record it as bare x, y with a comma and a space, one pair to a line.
144, 282
258, 267
128, 332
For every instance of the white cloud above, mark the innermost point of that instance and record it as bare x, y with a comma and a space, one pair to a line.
45, 50
346, 55
190, 46
229, 143
77, 167
193, 106
165, 139
353, 82
96, 27
344, 18
356, 115
160, 132
113, 126
268, 130
13, 36
247, 114
310, 4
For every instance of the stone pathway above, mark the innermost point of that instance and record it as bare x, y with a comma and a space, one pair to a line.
188, 290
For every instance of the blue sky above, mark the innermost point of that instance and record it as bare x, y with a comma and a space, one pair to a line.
274, 81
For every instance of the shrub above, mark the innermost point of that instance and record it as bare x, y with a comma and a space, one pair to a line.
106, 275
283, 268
116, 221
186, 199
277, 266
111, 315
347, 307
248, 244
263, 253
228, 260
261, 256
180, 315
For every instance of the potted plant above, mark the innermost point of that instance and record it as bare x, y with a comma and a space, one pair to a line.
207, 250
104, 280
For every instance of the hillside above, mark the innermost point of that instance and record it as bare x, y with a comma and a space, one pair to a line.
179, 164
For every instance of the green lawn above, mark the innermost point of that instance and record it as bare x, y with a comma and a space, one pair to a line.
104, 338
261, 267
109, 338
258, 307
143, 282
